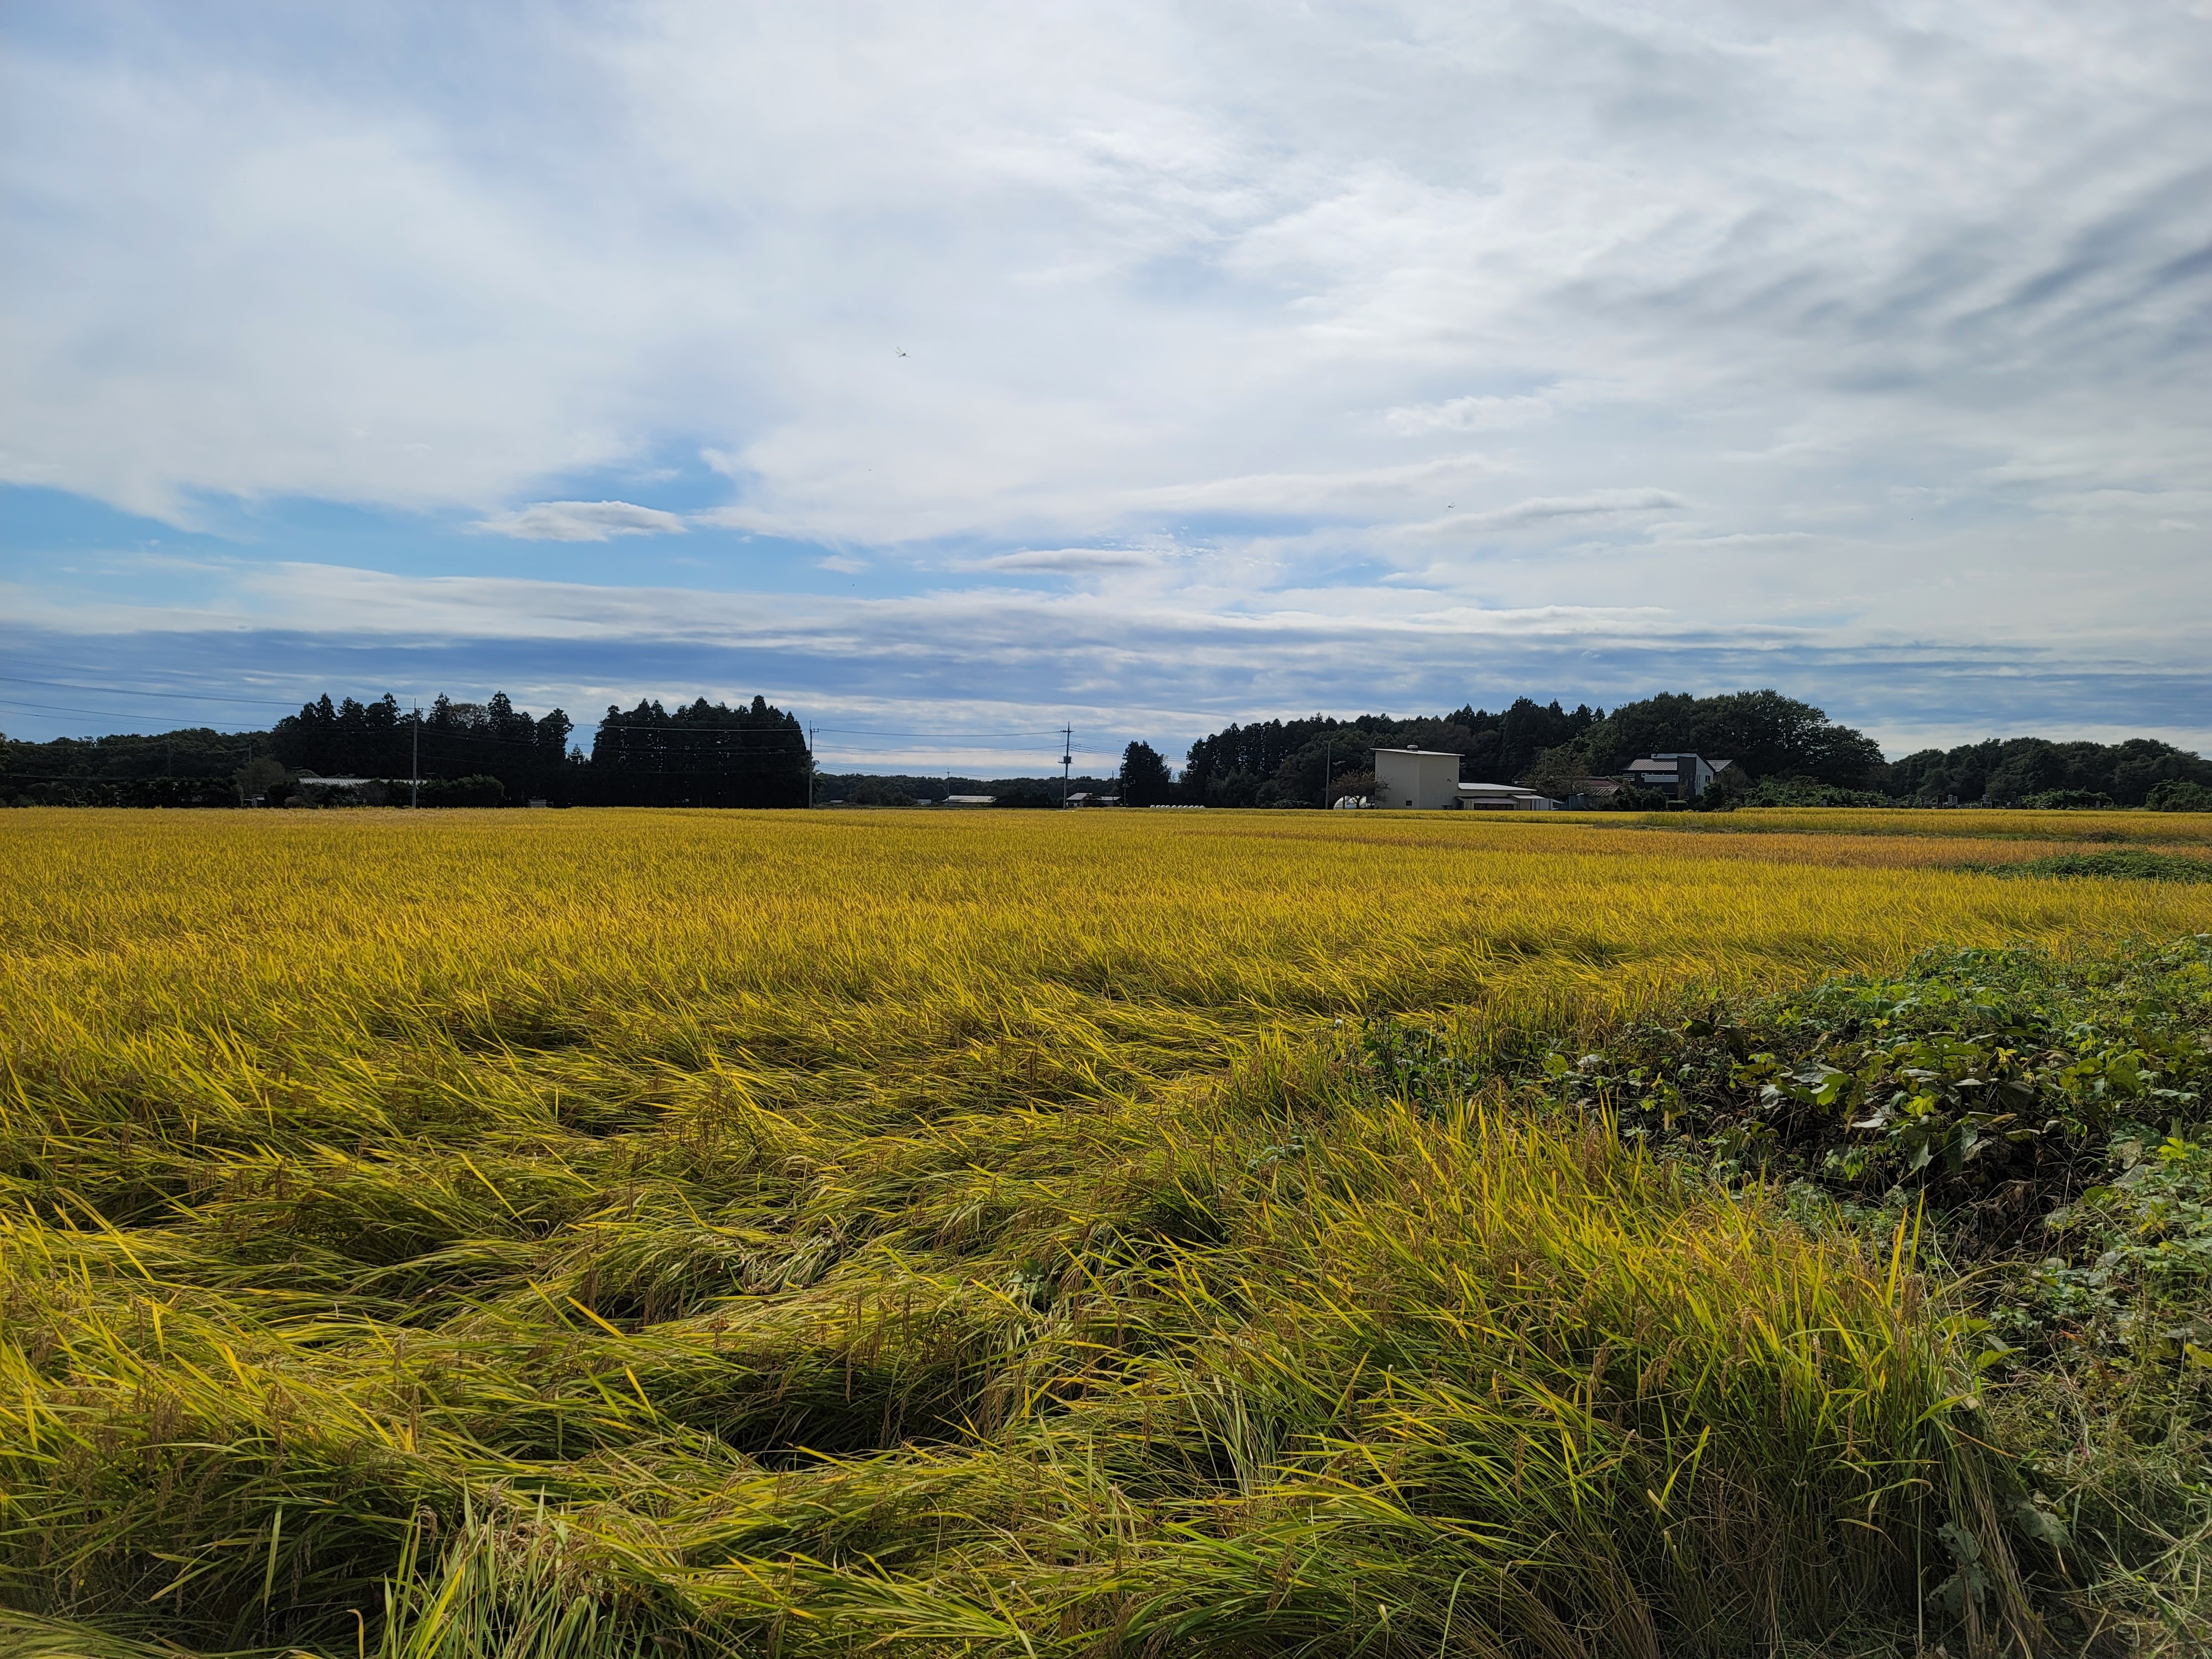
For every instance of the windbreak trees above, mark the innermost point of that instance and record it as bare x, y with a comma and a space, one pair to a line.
347, 738
701, 753
528, 755
1144, 780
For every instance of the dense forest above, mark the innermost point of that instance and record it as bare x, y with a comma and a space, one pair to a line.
701, 754
1281, 762
1786, 753
2023, 770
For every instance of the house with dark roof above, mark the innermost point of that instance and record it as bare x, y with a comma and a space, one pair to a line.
1678, 776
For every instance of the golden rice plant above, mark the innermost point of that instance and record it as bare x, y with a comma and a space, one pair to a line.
588, 1233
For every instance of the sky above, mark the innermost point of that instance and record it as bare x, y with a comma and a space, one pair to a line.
947, 373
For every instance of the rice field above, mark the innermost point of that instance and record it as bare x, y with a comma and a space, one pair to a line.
536, 1234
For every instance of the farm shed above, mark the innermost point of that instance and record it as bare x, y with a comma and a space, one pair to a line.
1424, 779
1503, 798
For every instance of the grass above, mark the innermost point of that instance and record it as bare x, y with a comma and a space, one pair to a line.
597, 1233
2132, 864
2120, 826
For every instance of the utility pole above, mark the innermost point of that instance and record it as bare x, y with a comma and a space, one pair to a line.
1327, 749
809, 769
415, 761
1066, 759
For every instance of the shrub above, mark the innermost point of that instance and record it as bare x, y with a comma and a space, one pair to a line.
480, 790
2179, 795
1808, 792
1972, 1070
1636, 798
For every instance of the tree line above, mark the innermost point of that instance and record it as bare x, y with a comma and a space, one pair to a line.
924, 789
698, 754
709, 754
1786, 752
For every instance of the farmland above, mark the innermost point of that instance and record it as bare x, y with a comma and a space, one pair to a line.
582, 1233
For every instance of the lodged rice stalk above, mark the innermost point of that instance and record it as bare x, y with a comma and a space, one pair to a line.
536, 1235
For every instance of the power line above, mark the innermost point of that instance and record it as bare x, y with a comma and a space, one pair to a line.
61, 708
309, 702
143, 691
866, 731
736, 740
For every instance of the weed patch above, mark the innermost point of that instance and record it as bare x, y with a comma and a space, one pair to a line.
2052, 1121
2128, 864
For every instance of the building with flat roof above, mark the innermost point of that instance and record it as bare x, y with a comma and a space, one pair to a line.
1427, 780
1503, 798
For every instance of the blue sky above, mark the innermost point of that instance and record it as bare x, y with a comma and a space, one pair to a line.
961, 371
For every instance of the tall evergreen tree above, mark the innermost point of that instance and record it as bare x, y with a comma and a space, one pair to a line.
1144, 780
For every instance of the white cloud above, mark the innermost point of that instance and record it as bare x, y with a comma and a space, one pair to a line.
1542, 509
1482, 414
1363, 301
582, 521
1072, 561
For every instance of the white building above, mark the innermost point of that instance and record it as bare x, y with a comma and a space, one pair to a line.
1424, 779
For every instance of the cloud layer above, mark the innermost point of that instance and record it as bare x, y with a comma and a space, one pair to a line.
1856, 333
582, 521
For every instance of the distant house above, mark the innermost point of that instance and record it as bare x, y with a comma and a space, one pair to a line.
322, 791
1589, 794
1503, 798
1677, 777
971, 801
1084, 798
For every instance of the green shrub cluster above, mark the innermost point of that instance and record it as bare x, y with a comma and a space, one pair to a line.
1977, 1072
2179, 795
2052, 1122
2119, 864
